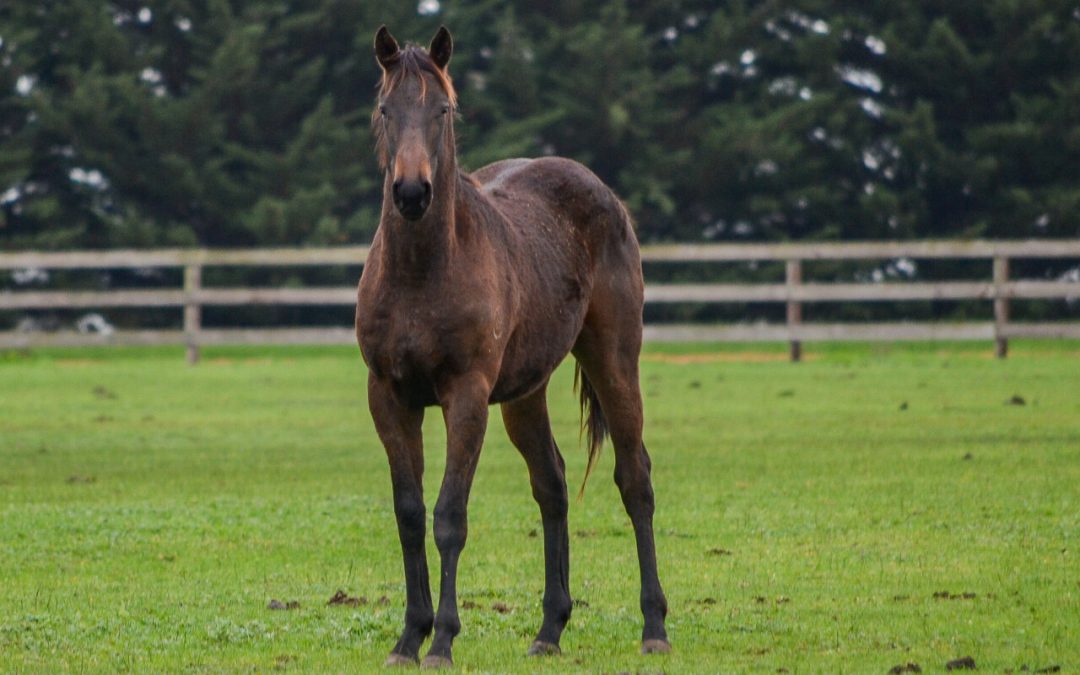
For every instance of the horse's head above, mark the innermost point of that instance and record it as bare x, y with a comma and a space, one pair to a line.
413, 117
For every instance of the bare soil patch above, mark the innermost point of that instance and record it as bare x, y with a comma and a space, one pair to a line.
962, 663
343, 598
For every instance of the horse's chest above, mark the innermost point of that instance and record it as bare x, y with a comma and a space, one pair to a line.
398, 344
414, 347
405, 358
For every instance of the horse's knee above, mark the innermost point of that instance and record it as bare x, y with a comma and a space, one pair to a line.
410, 513
450, 527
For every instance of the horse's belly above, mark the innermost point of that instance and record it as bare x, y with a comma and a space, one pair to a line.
516, 385
529, 361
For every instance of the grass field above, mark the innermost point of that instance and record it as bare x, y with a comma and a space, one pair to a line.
870, 507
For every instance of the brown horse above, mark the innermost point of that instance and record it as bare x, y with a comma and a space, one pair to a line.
476, 287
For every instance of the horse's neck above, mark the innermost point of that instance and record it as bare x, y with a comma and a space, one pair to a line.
425, 249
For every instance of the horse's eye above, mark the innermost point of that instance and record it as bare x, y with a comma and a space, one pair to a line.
445, 109
382, 111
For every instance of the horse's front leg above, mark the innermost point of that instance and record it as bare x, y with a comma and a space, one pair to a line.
465, 410
399, 429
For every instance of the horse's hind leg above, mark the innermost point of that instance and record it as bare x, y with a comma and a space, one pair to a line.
608, 350
529, 427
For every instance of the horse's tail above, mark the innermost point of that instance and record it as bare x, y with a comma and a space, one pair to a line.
592, 420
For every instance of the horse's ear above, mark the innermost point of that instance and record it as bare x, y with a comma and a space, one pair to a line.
442, 46
386, 48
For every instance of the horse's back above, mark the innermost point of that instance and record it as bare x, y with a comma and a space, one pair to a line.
564, 182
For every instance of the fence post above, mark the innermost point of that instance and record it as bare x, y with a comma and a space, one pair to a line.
792, 278
1001, 306
192, 311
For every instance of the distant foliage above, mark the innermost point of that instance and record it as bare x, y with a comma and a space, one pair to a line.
245, 122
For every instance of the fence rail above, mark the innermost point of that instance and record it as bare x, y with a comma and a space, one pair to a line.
999, 290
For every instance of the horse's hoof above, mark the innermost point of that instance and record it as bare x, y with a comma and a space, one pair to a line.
541, 648
435, 662
398, 660
655, 647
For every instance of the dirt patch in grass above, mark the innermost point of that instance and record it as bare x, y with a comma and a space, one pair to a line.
962, 663
104, 393
946, 595
279, 605
908, 667
343, 598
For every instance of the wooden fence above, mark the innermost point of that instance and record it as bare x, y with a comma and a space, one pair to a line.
793, 292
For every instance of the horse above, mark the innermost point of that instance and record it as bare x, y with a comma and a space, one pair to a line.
475, 288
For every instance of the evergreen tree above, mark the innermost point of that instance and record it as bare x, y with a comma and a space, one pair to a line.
245, 122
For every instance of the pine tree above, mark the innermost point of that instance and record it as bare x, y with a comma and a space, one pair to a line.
245, 122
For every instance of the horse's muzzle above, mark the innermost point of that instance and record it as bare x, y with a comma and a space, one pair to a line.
412, 198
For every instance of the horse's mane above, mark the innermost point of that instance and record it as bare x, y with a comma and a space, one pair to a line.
410, 61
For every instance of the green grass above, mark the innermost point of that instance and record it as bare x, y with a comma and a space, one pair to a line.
806, 515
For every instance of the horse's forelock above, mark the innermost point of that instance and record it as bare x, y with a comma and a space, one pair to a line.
414, 61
